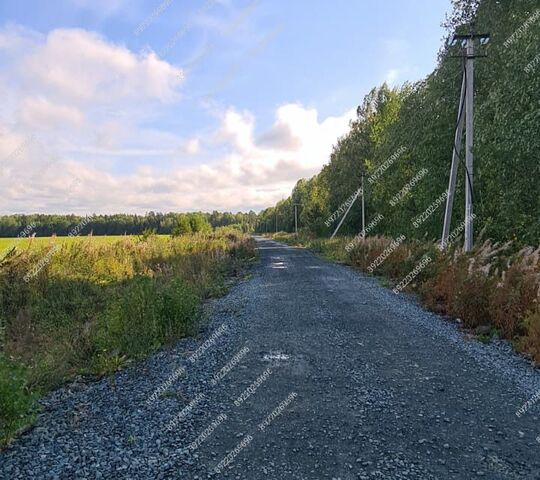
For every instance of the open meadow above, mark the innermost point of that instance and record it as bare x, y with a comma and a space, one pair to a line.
7, 244
91, 305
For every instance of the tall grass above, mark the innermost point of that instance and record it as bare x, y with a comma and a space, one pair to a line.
95, 306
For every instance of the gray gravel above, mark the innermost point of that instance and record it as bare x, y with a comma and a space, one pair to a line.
371, 387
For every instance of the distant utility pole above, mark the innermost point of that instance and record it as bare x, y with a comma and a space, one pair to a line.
276, 220
296, 218
466, 103
363, 210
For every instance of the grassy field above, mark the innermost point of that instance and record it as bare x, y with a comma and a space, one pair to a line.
91, 305
7, 244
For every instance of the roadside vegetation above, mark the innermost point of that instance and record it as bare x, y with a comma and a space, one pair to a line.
96, 306
493, 290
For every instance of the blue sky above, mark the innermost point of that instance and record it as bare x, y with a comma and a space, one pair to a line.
187, 105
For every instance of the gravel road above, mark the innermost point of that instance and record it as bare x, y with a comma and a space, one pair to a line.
308, 370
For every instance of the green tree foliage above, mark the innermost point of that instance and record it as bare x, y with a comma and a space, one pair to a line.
199, 223
182, 227
120, 224
419, 120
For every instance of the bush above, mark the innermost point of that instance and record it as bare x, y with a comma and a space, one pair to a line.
199, 223
454, 291
471, 300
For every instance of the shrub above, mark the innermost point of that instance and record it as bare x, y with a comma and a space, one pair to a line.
147, 234
471, 299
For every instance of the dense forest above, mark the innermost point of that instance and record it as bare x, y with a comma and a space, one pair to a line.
401, 132
120, 224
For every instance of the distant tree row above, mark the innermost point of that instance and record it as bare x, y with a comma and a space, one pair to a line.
120, 224
418, 121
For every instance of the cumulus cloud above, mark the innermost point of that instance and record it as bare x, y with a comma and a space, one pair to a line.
250, 176
84, 67
75, 135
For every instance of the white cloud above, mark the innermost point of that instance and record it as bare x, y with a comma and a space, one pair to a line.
85, 68
89, 69
93, 93
250, 176
238, 129
40, 113
63, 87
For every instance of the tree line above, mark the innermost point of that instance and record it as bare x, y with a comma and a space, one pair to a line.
124, 224
418, 121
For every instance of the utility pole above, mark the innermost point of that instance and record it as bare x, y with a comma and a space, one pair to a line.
466, 104
363, 210
296, 218
469, 112
276, 220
